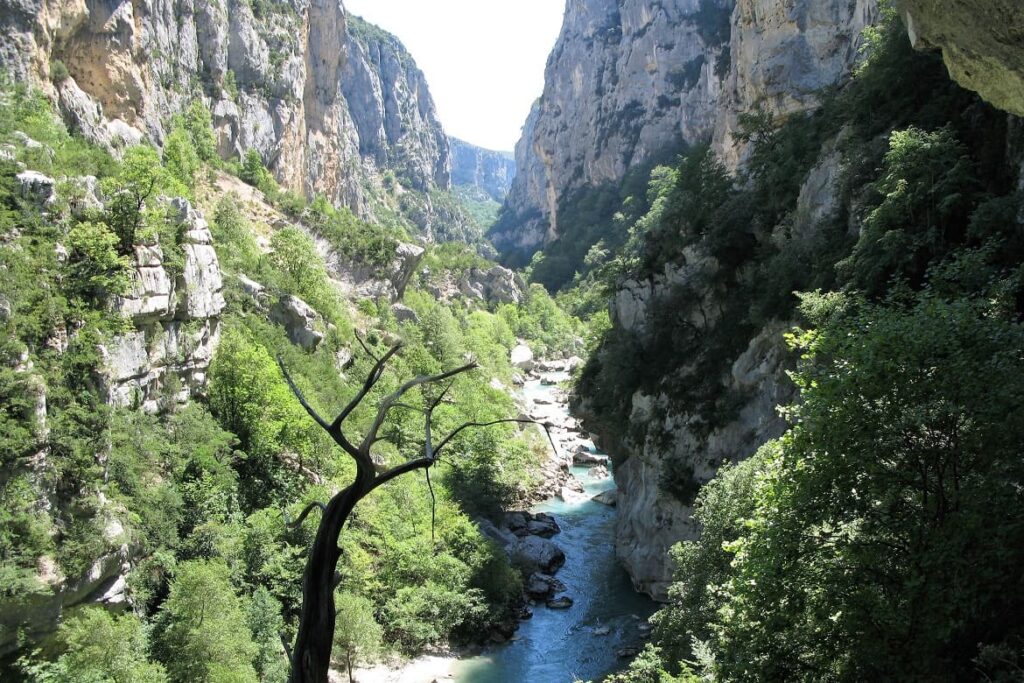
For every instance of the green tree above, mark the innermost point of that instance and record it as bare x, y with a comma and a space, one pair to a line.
926, 190
888, 536
264, 616
254, 172
98, 647
181, 158
96, 269
140, 178
203, 632
357, 636
197, 121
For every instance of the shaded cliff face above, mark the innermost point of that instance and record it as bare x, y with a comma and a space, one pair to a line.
627, 81
772, 56
328, 108
980, 42
481, 168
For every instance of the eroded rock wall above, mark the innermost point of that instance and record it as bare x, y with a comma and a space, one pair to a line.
981, 43
329, 104
490, 171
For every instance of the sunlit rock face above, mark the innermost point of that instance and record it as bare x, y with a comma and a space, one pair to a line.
628, 81
982, 43
633, 82
489, 171
329, 102
783, 55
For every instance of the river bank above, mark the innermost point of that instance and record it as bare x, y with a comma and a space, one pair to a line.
592, 617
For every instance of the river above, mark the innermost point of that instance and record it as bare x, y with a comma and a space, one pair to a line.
560, 646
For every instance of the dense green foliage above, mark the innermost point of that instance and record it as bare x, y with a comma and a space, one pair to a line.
741, 246
198, 494
880, 537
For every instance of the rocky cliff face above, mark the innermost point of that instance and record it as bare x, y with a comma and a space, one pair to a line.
329, 102
771, 56
632, 82
980, 41
176, 320
783, 55
484, 169
628, 81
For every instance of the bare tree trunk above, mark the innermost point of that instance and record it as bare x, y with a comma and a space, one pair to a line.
311, 656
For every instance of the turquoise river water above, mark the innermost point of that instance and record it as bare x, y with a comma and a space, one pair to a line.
561, 646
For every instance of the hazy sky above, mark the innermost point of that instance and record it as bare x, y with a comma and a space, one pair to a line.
484, 59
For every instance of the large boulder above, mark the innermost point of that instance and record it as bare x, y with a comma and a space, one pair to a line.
299, 320
541, 586
404, 314
537, 554
36, 187
522, 357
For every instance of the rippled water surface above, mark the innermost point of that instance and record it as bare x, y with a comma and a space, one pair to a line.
559, 646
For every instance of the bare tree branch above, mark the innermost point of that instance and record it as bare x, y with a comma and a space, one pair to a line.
521, 420
371, 381
366, 348
391, 399
315, 505
298, 394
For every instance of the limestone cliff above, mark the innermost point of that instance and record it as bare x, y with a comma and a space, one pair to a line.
980, 42
483, 169
631, 82
775, 57
627, 81
330, 103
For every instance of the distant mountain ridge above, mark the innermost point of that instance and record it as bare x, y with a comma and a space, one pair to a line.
488, 170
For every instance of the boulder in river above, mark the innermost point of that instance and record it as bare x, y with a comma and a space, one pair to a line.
598, 472
537, 554
542, 524
541, 586
563, 602
528, 524
522, 357
584, 456
609, 498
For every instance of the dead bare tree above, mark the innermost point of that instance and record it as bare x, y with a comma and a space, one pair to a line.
311, 654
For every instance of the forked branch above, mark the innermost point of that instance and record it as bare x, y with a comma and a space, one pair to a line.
310, 660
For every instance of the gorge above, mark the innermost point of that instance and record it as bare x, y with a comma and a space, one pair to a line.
776, 246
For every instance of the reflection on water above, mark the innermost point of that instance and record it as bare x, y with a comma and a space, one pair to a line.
559, 646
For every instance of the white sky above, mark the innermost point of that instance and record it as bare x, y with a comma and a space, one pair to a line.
483, 59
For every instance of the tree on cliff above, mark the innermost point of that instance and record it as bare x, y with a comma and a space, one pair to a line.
311, 654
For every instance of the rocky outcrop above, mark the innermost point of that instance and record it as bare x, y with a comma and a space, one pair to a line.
980, 42
629, 81
176, 320
329, 102
483, 169
369, 280
783, 55
39, 614
301, 323
491, 286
